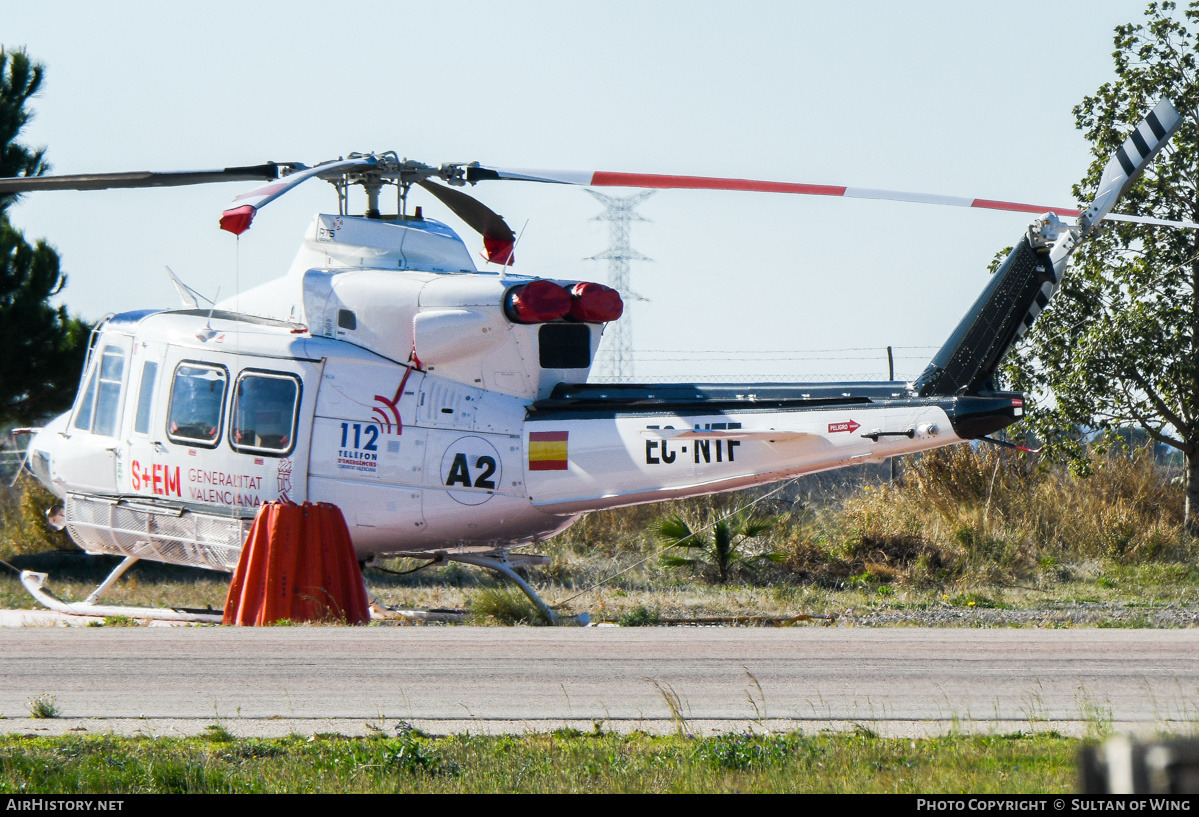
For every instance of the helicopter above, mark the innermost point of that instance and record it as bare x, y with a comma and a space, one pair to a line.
446, 410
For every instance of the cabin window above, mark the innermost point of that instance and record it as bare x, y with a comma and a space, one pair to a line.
101, 405
347, 319
197, 403
564, 346
265, 409
145, 398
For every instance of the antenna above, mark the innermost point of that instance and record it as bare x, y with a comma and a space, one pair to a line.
507, 265
208, 333
190, 296
614, 359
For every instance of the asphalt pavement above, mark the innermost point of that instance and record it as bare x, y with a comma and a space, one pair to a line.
899, 681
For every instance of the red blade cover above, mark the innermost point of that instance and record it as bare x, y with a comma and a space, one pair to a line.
237, 220
499, 250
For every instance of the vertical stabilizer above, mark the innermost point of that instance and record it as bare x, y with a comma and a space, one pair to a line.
967, 361
1032, 273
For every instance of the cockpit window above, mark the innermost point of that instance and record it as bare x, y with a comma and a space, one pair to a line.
100, 409
145, 398
197, 404
265, 405
83, 417
108, 398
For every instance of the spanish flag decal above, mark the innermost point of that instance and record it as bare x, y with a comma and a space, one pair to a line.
547, 450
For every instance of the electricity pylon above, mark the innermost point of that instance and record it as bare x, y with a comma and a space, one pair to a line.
614, 360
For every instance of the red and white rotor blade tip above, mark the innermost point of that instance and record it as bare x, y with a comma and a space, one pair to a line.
603, 178
237, 219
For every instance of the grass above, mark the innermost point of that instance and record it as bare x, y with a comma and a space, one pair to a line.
503, 605
964, 519
563, 761
640, 616
216, 733
978, 531
43, 706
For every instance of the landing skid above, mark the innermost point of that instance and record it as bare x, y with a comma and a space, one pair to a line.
381, 612
34, 583
498, 561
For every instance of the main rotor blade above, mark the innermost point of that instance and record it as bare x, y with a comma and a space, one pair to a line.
498, 238
603, 178
237, 219
106, 181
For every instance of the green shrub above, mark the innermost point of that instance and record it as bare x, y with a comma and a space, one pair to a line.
640, 616
23, 526
502, 605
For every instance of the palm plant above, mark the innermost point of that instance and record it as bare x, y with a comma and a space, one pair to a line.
724, 550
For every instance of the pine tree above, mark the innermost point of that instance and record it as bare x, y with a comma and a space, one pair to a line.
41, 347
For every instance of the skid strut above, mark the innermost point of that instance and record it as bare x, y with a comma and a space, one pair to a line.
503, 563
34, 584
118, 571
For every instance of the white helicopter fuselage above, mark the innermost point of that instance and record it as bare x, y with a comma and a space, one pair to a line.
385, 375
446, 410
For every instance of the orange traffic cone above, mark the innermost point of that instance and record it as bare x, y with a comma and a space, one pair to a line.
297, 564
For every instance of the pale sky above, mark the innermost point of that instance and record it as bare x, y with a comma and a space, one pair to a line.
940, 97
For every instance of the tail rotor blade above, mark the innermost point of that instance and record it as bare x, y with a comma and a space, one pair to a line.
1143, 144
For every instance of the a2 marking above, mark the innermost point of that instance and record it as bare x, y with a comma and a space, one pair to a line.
460, 472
